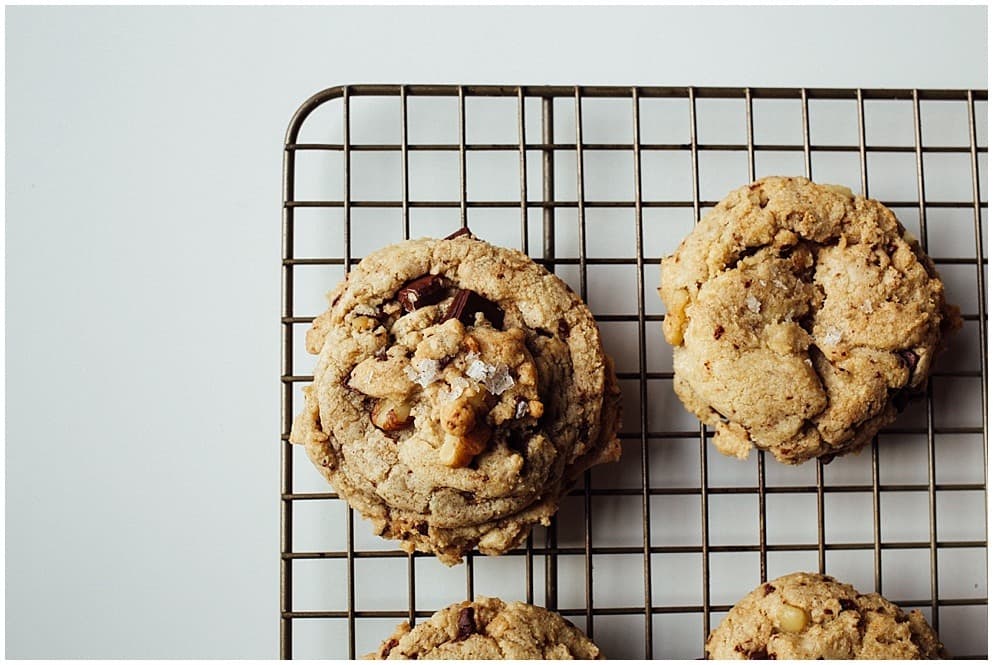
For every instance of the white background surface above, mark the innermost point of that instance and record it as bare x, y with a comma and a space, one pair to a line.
143, 239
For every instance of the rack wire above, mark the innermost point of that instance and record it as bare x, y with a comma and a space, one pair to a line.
597, 183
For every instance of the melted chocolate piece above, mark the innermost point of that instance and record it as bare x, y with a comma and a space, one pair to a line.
465, 305
420, 292
847, 604
466, 623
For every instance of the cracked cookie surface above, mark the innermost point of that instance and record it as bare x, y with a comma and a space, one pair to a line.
460, 389
802, 317
807, 616
489, 629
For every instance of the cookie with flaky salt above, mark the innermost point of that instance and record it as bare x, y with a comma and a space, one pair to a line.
460, 390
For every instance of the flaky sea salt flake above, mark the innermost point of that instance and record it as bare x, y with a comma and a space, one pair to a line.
753, 303
478, 370
423, 372
500, 380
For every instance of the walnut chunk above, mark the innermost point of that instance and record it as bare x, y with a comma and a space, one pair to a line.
391, 416
457, 452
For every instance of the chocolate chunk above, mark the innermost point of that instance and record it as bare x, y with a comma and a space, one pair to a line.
422, 528
901, 618
847, 604
909, 359
420, 292
760, 654
465, 305
464, 231
563, 329
466, 623
767, 589
718, 331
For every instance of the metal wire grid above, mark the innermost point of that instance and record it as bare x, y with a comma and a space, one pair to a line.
546, 550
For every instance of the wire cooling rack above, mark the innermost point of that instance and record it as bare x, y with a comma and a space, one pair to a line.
599, 183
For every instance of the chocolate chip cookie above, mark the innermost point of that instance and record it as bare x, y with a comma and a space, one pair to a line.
460, 390
489, 629
806, 616
803, 318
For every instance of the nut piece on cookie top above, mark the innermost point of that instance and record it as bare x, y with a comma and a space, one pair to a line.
460, 390
803, 319
809, 616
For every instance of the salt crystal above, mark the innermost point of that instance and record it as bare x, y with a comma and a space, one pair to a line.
426, 372
496, 379
500, 380
753, 303
867, 307
521, 410
478, 371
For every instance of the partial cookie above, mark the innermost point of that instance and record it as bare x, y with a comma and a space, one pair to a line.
806, 616
460, 390
489, 629
803, 319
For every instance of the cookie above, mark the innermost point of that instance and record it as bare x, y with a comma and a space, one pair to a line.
489, 629
803, 318
806, 616
459, 392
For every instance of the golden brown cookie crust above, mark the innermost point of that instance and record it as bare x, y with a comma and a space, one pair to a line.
447, 429
807, 616
802, 318
489, 629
